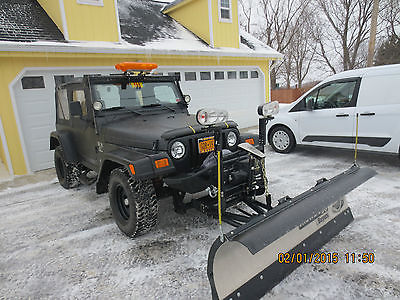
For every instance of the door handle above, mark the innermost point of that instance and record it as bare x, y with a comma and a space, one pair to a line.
342, 115
367, 114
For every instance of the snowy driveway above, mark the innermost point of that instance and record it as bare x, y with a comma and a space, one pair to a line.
57, 243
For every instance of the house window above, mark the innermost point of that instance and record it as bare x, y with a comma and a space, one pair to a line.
244, 74
190, 76
254, 74
219, 75
231, 74
205, 76
33, 82
91, 2
225, 10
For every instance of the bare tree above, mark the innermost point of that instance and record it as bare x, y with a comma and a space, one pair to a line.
281, 20
391, 18
348, 21
247, 9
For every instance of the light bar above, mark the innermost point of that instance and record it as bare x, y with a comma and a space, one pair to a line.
135, 66
268, 109
211, 116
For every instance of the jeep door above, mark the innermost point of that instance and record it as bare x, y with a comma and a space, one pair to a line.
328, 117
82, 127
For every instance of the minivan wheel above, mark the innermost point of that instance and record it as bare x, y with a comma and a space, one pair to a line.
281, 139
133, 203
66, 173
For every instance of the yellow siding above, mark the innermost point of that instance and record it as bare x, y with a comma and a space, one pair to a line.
194, 16
2, 154
13, 63
91, 23
52, 8
225, 34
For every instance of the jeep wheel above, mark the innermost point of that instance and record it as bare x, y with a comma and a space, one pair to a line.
66, 174
133, 203
281, 139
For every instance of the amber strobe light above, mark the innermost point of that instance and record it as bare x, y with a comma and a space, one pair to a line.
250, 141
126, 66
161, 163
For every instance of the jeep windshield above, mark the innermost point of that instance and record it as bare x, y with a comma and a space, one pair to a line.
136, 95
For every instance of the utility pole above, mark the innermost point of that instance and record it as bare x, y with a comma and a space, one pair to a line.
372, 33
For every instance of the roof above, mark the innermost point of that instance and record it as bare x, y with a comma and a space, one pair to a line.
172, 4
26, 21
144, 30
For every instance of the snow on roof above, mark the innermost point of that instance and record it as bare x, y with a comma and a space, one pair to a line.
26, 21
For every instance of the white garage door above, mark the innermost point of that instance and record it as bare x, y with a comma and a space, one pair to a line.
238, 90
33, 95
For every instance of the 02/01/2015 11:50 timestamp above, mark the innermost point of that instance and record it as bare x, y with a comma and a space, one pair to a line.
326, 257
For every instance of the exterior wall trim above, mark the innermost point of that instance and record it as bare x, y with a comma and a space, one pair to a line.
210, 23
6, 151
18, 121
64, 19
117, 19
17, 47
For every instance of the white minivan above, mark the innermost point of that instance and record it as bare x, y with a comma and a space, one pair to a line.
327, 114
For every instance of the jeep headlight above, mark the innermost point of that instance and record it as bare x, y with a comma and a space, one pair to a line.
177, 150
231, 139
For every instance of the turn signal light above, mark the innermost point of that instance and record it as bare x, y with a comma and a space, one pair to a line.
250, 141
132, 169
161, 163
126, 66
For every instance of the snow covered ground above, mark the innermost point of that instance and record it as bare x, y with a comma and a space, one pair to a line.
57, 243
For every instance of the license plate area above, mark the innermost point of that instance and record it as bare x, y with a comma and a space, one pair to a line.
206, 144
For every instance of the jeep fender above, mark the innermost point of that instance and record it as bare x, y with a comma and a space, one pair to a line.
63, 139
139, 166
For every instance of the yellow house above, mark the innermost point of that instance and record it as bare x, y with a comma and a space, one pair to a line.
47, 42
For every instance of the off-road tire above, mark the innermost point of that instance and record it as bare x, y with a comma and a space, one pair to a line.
133, 203
66, 172
281, 139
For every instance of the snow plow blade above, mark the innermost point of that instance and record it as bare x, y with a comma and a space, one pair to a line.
246, 266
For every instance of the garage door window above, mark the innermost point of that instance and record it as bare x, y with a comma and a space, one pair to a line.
205, 76
79, 95
254, 74
32, 82
175, 74
190, 76
244, 74
231, 74
219, 75
63, 108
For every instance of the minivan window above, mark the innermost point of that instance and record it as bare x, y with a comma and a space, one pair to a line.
334, 95
331, 95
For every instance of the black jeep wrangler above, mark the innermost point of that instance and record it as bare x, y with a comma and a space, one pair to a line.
131, 133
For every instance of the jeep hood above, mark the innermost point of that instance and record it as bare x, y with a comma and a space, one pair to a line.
143, 131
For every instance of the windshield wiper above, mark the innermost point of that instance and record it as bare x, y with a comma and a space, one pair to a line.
122, 107
159, 105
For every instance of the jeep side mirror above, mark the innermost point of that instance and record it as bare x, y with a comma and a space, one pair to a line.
310, 104
75, 109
